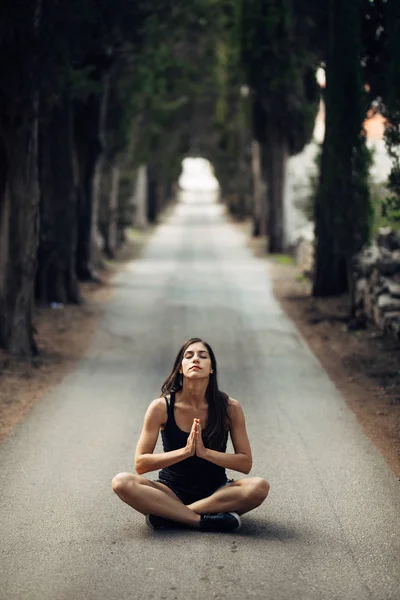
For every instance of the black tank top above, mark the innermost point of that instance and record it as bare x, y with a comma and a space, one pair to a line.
194, 475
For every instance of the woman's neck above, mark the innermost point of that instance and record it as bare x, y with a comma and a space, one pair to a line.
193, 393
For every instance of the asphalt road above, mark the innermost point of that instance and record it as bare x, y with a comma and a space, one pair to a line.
331, 526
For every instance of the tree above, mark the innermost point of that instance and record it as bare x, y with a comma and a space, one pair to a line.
280, 68
74, 44
19, 199
390, 107
342, 209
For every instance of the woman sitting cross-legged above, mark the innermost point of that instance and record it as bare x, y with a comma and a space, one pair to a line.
194, 418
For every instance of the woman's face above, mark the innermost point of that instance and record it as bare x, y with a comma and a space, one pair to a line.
196, 362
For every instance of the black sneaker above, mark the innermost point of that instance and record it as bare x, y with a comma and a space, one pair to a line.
220, 522
155, 522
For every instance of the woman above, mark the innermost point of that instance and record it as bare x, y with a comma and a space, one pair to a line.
194, 418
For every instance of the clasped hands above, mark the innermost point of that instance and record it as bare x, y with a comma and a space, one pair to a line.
194, 444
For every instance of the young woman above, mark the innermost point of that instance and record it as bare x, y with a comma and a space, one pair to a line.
194, 418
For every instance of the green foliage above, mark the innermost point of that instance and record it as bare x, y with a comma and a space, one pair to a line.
283, 259
385, 212
306, 194
391, 110
391, 205
343, 213
280, 64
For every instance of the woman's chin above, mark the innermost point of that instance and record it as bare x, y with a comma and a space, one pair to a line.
193, 375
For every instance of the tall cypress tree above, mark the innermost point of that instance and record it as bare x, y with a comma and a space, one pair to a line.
280, 64
342, 210
391, 108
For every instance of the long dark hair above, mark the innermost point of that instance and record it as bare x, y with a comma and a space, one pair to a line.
216, 431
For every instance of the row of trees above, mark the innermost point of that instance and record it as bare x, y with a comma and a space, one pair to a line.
91, 90
356, 43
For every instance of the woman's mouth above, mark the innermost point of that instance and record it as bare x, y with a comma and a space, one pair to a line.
194, 367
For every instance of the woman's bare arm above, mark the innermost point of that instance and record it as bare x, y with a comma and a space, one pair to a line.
241, 460
145, 460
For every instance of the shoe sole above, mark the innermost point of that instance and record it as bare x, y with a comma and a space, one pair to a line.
237, 517
239, 521
148, 522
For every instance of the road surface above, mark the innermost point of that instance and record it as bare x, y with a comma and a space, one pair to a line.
331, 526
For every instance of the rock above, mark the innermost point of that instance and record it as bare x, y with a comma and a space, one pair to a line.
377, 283
389, 239
305, 233
385, 252
378, 316
366, 260
371, 253
396, 240
387, 304
360, 291
375, 279
389, 266
391, 323
304, 248
378, 291
304, 255
369, 306
393, 288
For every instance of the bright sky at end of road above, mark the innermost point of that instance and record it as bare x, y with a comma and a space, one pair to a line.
198, 174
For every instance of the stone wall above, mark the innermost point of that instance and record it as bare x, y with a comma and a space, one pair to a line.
377, 271
302, 249
377, 274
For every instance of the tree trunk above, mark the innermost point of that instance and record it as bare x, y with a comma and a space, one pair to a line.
20, 222
88, 149
56, 279
244, 150
152, 194
108, 209
275, 156
259, 198
19, 181
126, 209
95, 247
141, 192
161, 197
113, 219
330, 271
4, 212
342, 203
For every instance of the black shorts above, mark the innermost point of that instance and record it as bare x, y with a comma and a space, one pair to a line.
188, 496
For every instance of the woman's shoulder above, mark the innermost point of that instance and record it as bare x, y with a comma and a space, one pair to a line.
234, 408
232, 403
158, 405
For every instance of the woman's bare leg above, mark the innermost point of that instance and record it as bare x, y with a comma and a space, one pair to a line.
150, 497
239, 496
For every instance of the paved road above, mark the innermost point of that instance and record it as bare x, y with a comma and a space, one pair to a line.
331, 527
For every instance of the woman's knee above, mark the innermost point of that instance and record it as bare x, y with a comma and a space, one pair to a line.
123, 482
258, 490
